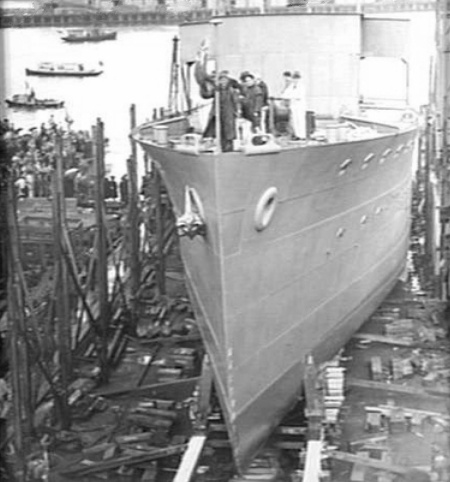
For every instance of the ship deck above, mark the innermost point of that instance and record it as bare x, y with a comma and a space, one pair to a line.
185, 134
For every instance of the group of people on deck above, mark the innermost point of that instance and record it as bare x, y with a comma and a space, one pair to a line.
244, 106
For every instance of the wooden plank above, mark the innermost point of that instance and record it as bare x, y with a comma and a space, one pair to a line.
382, 339
144, 388
190, 459
368, 462
103, 466
391, 387
313, 461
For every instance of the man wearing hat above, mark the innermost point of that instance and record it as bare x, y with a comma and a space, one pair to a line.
252, 100
295, 95
228, 106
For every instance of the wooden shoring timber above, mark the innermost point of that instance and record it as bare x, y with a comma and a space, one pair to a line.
314, 403
392, 387
84, 292
102, 257
368, 462
159, 225
81, 294
16, 320
126, 460
143, 388
190, 458
204, 394
133, 222
63, 321
116, 262
313, 461
389, 340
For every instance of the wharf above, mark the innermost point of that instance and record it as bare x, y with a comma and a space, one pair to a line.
166, 16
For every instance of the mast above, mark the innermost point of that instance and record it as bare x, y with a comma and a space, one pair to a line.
174, 79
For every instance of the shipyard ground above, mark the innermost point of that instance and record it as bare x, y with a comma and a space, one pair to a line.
393, 424
398, 417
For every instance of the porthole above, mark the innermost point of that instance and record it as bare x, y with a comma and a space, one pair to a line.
385, 155
367, 160
344, 166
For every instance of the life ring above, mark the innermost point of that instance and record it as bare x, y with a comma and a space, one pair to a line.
265, 208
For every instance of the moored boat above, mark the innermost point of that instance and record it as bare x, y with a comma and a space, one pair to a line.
66, 69
288, 244
88, 35
29, 101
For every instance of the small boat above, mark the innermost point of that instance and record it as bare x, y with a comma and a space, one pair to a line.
71, 69
29, 101
88, 35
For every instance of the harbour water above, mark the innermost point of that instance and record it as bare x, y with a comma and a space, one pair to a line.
137, 70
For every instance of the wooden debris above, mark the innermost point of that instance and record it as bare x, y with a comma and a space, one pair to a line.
89, 467
368, 462
392, 387
359, 470
376, 368
371, 337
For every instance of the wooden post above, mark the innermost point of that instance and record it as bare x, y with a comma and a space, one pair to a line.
159, 227
190, 458
63, 321
133, 224
314, 413
20, 367
204, 396
102, 257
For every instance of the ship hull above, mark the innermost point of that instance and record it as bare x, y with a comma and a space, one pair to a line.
37, 104
265, 299
62, 73
89, 38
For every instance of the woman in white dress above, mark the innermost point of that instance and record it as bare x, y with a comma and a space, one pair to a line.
295, 94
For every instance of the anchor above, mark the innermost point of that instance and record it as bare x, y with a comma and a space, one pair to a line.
191, 223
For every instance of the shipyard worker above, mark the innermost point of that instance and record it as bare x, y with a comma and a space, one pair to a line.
295, 95
228, 105
287, 80
123, 188
252, 100
113, 187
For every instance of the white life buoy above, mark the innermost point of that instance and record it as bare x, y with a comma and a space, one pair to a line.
265, 208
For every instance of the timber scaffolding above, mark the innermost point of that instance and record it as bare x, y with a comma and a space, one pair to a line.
131, 396
84, 288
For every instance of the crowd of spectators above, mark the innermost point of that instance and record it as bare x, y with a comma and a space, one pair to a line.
32, 154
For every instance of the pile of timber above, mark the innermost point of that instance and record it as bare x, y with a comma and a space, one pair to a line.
409, 368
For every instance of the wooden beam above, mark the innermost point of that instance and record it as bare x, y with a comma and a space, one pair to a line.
143, 388
133, 223
126, 460
313, 461
101, 254
204, 396
190, 459
391, 387
368, 462
63, 322
389, 340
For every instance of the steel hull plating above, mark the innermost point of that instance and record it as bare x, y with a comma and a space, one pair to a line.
265, 299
